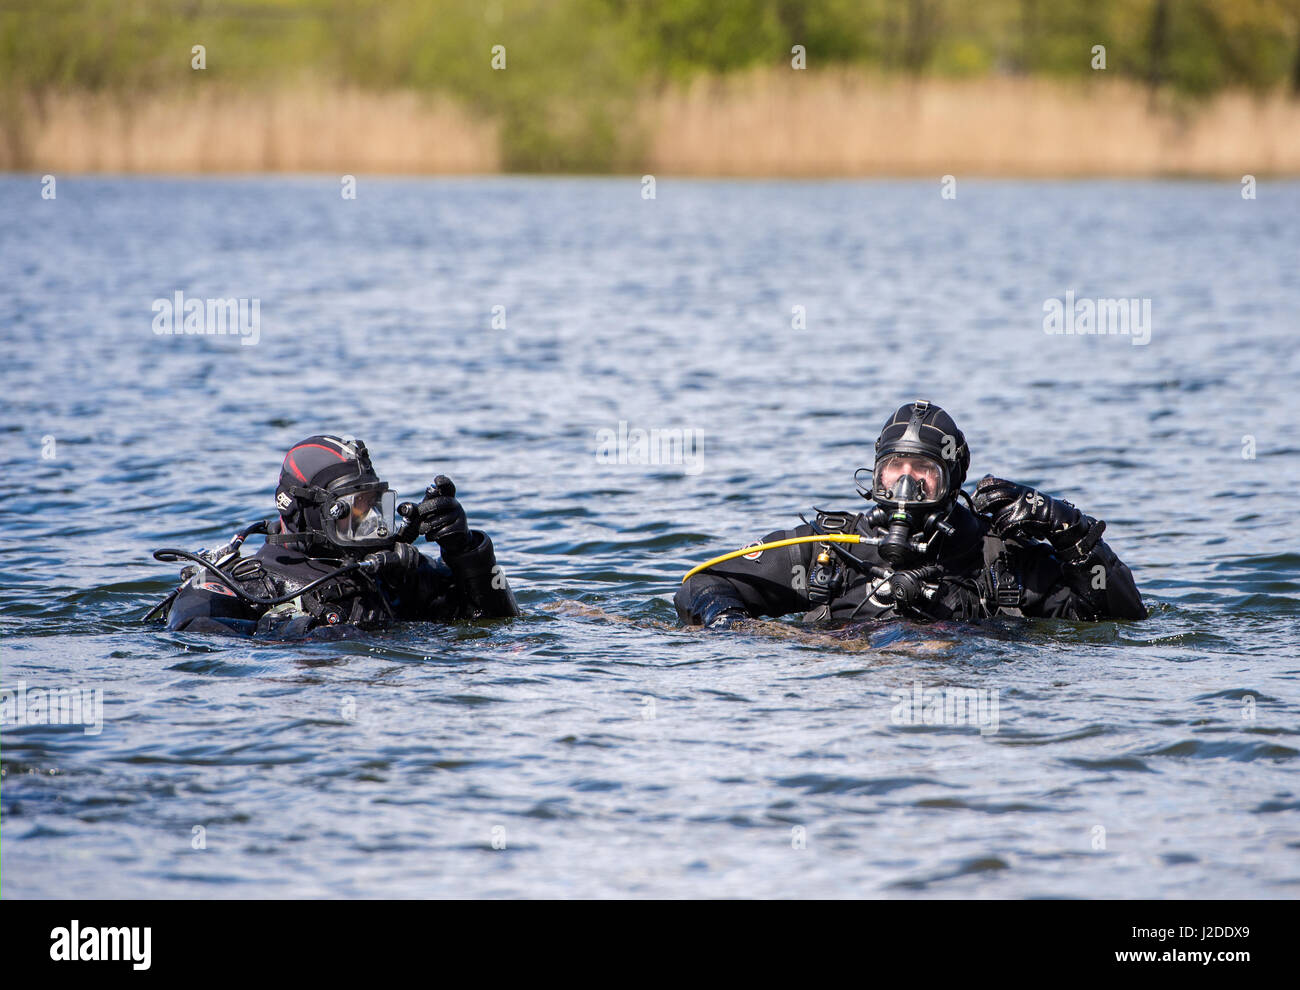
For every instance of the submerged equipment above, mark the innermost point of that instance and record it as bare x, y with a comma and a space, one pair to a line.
216, 561
216, 558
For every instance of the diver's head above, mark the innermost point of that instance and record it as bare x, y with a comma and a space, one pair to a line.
330, 493
921, 462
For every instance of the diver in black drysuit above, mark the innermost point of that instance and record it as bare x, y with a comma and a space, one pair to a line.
1013, 551
335, 511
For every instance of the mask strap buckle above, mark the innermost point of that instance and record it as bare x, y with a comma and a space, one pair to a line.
919, 410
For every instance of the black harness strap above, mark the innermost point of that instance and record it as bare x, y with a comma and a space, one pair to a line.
1004, 583
826, 576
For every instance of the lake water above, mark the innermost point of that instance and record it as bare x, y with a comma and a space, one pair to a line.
593, 747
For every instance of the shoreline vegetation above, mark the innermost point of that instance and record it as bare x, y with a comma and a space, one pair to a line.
798, 88
755, 124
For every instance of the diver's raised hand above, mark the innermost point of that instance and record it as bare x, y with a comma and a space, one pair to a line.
997, 498
1018, 510
441, 516
395, 564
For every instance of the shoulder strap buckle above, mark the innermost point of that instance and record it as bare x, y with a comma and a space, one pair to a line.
1007, 591
825, 575
833, 522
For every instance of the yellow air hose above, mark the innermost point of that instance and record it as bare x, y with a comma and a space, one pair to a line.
760, 547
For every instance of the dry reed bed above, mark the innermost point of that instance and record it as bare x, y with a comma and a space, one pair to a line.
285, 130
756, 124
847, 124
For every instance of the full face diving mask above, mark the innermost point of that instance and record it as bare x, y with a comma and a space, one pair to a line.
912, 498
361, 517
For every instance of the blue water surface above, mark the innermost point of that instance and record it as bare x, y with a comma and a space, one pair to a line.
593, 748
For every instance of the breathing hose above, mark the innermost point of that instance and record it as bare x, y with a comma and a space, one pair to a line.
775, 544
168, 554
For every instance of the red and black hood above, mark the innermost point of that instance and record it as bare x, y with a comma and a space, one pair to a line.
325, 482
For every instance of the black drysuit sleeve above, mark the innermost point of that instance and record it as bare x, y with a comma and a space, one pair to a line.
772, 584
465, 585
1099, 587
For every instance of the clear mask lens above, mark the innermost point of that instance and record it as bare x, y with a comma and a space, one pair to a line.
370, 516
910, 478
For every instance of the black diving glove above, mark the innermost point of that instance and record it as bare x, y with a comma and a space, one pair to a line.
441, 517
1021, 511
395, 564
